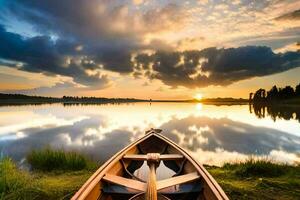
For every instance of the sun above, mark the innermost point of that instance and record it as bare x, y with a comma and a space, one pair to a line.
198, 96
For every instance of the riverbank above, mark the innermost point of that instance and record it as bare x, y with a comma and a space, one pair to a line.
20, 99
253, 179
258, 181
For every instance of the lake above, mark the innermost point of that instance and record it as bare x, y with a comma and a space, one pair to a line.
213, 134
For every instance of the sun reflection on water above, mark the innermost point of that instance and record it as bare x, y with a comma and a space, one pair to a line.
199, 106
213, 134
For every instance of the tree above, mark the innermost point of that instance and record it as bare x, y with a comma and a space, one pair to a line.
286, 93
250, 96
259, 95
272, 94
297, 90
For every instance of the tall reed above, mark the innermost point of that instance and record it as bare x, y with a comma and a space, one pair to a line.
49, 159
259, 167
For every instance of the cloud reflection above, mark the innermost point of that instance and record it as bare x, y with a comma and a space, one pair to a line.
211, 140
216, 141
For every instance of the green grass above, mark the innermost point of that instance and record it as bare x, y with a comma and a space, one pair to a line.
61, 185
19, 184
252, 179
48, 159
258, 179
258, 168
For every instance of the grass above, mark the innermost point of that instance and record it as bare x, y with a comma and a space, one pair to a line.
258, 179
61, 185
258, 168
17, 184
48, 159
54, 184
252, 179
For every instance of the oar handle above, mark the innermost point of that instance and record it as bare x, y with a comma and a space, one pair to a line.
153, 162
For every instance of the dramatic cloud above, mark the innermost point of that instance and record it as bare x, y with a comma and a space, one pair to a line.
98, 25
290, 47
65, 88
214, 66
88, 40
41, 54
295, 15
87, 36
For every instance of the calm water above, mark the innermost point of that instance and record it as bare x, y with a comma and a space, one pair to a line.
213, 134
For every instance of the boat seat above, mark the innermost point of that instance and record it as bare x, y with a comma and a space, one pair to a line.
129, 183
117, 189
141, 196
181, 189
176, 180
143, 157
141, 186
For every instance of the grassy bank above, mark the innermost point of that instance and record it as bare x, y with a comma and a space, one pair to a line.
258, 179
55, 174
48, 159
253, 179
19, 184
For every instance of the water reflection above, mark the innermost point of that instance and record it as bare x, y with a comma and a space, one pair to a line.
219, 140
287, 112
212, 134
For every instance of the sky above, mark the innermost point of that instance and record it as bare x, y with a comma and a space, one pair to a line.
148, 48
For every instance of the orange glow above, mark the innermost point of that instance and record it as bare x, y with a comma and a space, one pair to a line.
198, 96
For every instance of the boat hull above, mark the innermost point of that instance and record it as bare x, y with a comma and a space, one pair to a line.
191, 179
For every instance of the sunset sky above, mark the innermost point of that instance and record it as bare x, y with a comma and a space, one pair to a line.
148, 48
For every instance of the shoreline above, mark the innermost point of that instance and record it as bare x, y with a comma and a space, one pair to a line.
250, 179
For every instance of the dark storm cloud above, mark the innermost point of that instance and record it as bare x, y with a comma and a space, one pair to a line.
214, 66
41, 54
295, 15
97, 35
115, 60
107, 31
64, 88
93, 19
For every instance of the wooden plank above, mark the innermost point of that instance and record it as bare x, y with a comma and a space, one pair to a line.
212, 190
161, 157
92, 182
135, 157
171, 157
212, 185
177, 180
129, 183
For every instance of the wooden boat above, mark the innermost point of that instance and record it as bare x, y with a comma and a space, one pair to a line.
117, 178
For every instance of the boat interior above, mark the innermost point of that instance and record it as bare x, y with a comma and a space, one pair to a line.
153, 169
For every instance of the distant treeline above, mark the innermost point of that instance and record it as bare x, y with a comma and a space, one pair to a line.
26, 99
227, 99
98, 99
274, 95
22, 96
19, 99
278, 103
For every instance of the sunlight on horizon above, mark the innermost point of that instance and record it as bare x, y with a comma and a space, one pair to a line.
198, 96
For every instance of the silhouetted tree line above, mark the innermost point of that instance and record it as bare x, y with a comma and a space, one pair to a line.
275, 111
268, 103
274, 94
25, 97
6, 99
75, 99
